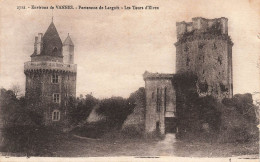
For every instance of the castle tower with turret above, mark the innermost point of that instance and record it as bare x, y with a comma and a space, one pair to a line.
204, 47
51, 75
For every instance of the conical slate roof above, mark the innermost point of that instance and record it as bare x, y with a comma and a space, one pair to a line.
68, 41
52, 44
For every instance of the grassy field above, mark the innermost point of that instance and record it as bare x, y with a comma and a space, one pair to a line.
117, 144
169, 146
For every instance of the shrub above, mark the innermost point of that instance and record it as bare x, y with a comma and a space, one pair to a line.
133, 131
32, 140
233, 120
93, 129
23, 129
238, 119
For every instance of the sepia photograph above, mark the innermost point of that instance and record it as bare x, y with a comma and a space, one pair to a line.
129, 80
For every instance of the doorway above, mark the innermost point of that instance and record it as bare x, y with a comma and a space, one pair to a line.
170, 125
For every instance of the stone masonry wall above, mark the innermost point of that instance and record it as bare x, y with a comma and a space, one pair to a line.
39, 84
160, 98
206, 50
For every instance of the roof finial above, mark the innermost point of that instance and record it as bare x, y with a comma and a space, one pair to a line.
52, 15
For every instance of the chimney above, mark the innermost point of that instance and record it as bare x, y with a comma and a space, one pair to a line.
39, 44
224, 25
35, 44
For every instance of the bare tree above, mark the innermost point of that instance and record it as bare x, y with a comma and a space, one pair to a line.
16, 88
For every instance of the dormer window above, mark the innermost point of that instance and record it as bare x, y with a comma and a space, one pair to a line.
55, 49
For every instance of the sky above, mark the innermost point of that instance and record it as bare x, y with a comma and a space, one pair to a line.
114, 48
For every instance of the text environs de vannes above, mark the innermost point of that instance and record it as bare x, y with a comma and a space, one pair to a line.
56, 6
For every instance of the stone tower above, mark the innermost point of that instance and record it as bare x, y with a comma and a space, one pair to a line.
204, 47
51, 75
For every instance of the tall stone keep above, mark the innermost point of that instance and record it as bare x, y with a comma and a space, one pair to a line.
204, 47
51, 75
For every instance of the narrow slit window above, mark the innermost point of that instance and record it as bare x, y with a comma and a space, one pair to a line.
187, 61
157, 126
158, 100
165, 98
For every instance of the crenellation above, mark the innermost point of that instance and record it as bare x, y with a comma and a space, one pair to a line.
224, 25
189, 27
181, 28
149, 76
201, 25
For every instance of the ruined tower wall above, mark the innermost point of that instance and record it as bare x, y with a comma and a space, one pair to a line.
206, 50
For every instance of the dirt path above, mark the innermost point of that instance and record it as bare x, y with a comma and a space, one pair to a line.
164, 147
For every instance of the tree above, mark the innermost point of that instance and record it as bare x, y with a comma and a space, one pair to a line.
80, 109
194, 111
16, 88
116, 110
23, 130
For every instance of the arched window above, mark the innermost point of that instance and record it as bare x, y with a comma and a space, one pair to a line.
56, 115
